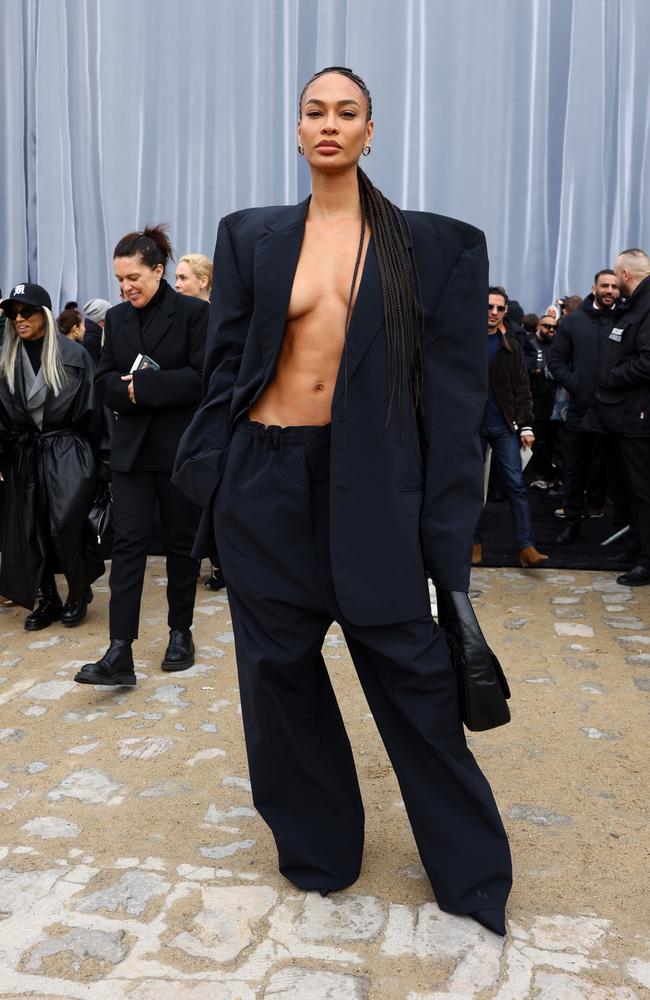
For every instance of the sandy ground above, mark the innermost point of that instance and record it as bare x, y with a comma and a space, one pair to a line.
133, 865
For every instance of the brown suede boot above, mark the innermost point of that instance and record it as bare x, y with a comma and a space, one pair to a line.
531, 557
477, 554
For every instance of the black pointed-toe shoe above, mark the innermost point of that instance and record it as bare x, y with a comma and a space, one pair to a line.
179, 654
48, 609
215, 581
74, 612
115, 669
638, 576
494, 920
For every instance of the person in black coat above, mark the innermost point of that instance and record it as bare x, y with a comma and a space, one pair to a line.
621, 402
149, 375
336, 454
51, 439
574, 361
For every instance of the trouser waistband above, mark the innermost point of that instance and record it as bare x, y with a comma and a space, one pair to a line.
278, 436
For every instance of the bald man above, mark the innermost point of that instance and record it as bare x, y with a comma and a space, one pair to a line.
621, 404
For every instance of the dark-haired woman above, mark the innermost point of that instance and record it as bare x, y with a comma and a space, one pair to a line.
50, 435
337, 447
71, 324
149, 374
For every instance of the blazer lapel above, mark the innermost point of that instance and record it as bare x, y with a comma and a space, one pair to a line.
131, 331
276, 258
366, 320
161, 323
368, 313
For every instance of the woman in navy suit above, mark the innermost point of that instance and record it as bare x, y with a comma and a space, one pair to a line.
337, 456
149, 375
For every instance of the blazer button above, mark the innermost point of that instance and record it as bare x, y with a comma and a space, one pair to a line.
342, 490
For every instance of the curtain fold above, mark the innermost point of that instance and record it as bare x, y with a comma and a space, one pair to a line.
528, 118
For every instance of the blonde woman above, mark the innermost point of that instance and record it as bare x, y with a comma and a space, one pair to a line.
194, 276
50, 427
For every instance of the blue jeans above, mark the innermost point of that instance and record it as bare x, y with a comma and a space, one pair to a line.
505, 452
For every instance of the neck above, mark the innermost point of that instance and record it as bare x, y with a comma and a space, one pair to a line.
335, 196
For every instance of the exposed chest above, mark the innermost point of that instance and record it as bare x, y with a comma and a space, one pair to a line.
325, 270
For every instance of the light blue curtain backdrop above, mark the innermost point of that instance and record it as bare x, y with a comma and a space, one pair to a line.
528, 118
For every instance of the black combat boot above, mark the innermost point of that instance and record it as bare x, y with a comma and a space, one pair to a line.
114, 669
179, 654
74, 612
49, 606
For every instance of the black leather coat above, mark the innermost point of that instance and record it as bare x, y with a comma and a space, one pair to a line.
50, 478
510, 384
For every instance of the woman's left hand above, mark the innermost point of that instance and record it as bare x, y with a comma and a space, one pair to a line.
129, 379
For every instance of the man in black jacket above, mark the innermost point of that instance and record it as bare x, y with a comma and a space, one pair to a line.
508, 419
621, 403
574, 362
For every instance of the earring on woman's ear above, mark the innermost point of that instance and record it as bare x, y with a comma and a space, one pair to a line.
366, 150
301, 150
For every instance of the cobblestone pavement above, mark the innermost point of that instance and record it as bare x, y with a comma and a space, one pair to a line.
132, 864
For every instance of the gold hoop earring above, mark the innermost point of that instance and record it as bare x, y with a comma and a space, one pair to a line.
366, 150
301, 150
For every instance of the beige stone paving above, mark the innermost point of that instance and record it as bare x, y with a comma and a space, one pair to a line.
133, 866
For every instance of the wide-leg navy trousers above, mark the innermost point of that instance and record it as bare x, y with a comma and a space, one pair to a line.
271, 521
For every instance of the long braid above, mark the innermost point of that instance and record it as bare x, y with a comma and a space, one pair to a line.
401, 298
400, 283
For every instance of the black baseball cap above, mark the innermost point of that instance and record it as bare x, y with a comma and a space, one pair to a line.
30, 294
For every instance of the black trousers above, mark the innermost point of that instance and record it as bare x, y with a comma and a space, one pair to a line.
272, 528
635, 454
584, 474
542, 462
134, 498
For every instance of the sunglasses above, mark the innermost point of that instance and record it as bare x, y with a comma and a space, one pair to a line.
548, 326
26, 312
499, 309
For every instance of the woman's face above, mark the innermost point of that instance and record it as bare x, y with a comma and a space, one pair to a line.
333, 128
29, 327
138, 282
188, 283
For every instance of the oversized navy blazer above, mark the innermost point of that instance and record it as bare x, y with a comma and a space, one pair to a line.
404, 501
146, 435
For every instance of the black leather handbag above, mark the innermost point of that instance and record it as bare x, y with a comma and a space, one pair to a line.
483, 690
100, 519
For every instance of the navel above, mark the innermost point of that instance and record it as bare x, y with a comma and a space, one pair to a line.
319, 386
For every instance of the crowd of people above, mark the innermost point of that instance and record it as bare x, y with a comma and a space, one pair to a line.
331, 484
566, 390
562, 391
573, 386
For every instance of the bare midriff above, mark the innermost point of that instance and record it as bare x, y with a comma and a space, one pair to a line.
305, 377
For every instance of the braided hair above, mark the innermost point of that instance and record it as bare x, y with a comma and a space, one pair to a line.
400, 286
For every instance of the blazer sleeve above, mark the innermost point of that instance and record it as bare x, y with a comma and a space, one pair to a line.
178, 386
111, 390
203, 447
455, 393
